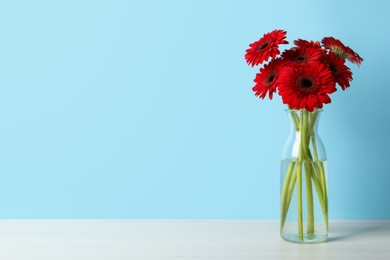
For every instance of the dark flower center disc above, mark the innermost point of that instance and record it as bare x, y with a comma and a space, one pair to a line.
306, 83
333, 68
263, 46
271, 78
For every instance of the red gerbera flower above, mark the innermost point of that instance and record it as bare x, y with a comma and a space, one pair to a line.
303, 54
342, 74
307, 44
267, 79
335, 45
266, 47
306, 86
342, 51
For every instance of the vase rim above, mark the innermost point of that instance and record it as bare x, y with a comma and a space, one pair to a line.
291, 109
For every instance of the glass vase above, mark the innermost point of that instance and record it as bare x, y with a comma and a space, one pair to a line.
303, 181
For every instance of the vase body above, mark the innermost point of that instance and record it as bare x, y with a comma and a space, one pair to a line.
303, 181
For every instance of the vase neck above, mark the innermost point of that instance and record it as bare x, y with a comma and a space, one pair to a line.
304, 141
304, 119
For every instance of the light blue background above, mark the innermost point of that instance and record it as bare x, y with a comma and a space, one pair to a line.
144, 109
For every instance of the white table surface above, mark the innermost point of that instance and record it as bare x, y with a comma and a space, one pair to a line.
184, 239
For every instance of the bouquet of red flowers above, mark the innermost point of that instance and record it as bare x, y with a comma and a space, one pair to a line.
304, 76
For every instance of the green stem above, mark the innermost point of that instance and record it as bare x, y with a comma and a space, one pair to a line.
296, 121
310, 203
319, 167
308, 172
301, 160
300, 220
321, 172
284, 196
309, 191
318, 187
290, 179
325, 193
290, 192
304, 139
313, 118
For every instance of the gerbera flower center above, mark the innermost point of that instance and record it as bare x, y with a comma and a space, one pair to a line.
301, 58
305, 83
333, 68
262, 46
270, 79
